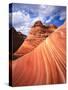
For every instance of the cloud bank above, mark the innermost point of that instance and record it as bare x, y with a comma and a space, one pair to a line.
23, 16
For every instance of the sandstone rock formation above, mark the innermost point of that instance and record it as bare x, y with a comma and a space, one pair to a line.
46, 64
37, 34
15, 41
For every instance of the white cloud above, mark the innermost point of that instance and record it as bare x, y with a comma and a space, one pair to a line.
46, 10
62, 15
17, 18
23, 29
20, 21
20, 17
50, 19
43, 12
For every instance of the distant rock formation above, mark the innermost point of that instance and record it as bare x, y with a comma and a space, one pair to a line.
38, 23
15, 40
46, 64
37, 34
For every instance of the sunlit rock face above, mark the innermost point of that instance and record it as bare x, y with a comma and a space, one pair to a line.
46, 64
37, 34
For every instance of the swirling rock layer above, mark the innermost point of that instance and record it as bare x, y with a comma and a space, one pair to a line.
37, 34
46, 64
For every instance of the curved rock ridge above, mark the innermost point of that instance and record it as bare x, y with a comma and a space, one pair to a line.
37, 34
46, 64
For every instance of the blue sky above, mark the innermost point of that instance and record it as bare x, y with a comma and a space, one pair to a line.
23, 16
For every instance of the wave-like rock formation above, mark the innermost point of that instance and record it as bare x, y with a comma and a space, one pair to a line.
46, 64
37, 34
